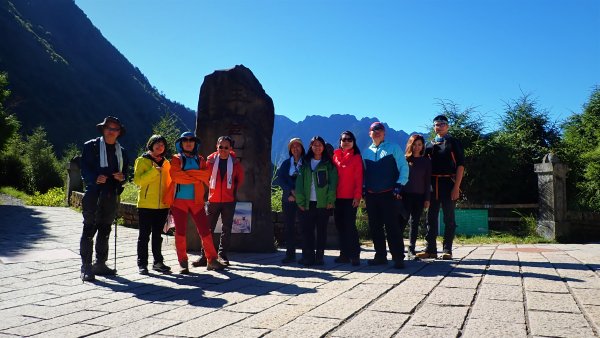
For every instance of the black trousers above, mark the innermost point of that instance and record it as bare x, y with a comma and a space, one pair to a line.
413, 203
290, 210
99, 211
384, 220
442, 189
345, 223
311, 219
151, 221
226, 211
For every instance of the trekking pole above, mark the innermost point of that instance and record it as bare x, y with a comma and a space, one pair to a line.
116, 223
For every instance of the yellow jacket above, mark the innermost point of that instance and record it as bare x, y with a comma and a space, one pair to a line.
152, 182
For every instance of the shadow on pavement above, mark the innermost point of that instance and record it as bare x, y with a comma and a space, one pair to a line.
20, 229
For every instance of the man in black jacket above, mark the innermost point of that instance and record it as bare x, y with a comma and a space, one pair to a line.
104, 169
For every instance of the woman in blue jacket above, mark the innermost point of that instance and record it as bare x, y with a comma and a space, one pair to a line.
286, 179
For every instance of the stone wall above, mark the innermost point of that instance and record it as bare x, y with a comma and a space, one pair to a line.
126, 211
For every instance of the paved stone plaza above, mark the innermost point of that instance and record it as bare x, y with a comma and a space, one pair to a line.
488, 290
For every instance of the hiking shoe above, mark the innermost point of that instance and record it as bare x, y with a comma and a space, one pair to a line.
342, 259
223, 259
215, 265
101, 269
425, 255
377, 261
143, 270
161, 267
199, 262
183, 268
446, 256
86, 274
288, 259
399, 264
355, 261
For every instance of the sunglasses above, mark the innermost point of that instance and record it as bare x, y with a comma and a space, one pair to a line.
188, 139
223, 147
112, 129
347, 139
442, 124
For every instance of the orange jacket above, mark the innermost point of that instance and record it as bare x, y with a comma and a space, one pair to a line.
220, 193
198, 177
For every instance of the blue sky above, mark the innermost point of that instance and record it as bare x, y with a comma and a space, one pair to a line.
388, 59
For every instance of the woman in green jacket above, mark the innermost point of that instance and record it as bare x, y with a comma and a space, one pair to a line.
315, 195
151, 174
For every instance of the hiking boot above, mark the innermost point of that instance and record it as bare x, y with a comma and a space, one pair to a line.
86, 273
101, 269
201, 261
161, 267
288, 259
377, 261
425, 255
215, 265
183, 268
399, 264
355, 261
143, 270
342, 259
446, 256
223, 259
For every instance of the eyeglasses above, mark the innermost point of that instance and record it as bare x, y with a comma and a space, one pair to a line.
347, 139
223, 147
441, 124
112, 129
188, 139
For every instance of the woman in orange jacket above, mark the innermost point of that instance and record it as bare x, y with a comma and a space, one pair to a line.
189, 175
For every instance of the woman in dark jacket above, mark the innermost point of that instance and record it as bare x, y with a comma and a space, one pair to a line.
286, 179
417, 190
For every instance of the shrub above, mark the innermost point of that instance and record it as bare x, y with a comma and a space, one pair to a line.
130, 193
55, 197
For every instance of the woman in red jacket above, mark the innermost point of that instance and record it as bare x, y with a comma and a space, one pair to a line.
349, 165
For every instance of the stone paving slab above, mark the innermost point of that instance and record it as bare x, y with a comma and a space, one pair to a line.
487, 290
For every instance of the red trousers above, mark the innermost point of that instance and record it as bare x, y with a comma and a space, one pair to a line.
180, 209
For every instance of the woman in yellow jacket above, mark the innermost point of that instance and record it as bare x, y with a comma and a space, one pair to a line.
151, 174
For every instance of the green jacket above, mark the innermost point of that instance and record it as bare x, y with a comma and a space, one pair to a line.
326, 193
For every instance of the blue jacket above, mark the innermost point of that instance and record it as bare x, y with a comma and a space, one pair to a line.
385, 166
284, 180
90, 168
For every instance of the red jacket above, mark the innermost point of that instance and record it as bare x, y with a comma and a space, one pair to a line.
350, 173
220, 193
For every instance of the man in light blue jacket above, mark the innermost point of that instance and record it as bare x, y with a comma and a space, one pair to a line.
386, 171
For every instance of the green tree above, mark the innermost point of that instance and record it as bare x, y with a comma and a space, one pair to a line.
42, 167
9, 125
167, 127
580, 150
525, 136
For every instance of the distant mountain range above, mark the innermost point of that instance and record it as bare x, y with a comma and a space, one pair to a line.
329, 128
65, 76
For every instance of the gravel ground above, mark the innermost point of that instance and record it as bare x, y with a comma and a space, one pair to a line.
9, 200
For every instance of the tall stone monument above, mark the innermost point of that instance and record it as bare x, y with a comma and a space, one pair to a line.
552, 215
232, 102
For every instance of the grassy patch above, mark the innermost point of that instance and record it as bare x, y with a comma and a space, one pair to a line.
55, 197
499, 238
